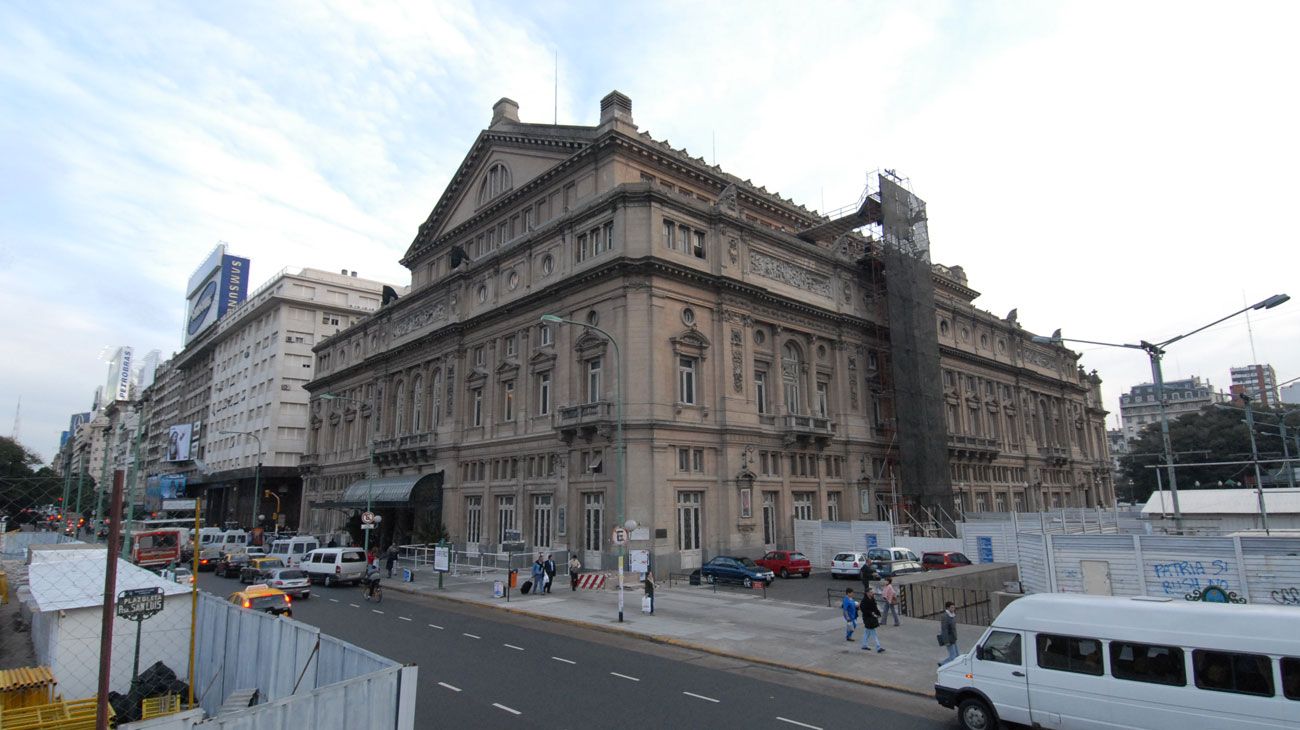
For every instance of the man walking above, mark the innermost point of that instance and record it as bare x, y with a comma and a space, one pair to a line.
539, 575
849, 608
549, 567
948, 631
870, 622
866, 575
890, 596
390, 558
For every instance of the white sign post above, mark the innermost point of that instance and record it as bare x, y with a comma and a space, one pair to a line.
620, 536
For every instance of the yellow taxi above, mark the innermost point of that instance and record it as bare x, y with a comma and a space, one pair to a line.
262, 597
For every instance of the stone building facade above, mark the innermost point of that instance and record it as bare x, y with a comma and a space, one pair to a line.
751, 365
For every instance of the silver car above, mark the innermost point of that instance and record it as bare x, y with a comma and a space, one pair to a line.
291, 581
847, 565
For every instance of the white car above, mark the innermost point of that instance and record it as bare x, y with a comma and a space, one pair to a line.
333, 565
847, 564
292, 581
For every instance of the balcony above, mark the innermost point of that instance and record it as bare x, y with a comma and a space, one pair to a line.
412, 448
805, 430
1054, 454
585, 420
973, 448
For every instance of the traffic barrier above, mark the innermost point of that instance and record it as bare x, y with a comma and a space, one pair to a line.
591, 581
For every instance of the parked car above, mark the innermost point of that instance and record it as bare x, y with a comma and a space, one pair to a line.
786, 563
256, 569
290, 580
880, 555
335, 565
847, 565
732, 569
292, 549
891, 568
943, 560
228, 566
262, 597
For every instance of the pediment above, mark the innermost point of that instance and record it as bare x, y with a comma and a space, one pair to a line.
476, 375
542, 360
590, 343
691, 342
509, 367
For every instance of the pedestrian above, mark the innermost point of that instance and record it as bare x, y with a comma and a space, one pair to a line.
890, 595
870, 622
549, 567
575, 568
648, 585
539, 575
849, 608
948, 631
866, 575
390, 558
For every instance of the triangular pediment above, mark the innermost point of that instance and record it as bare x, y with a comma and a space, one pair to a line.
524, 152
542, 360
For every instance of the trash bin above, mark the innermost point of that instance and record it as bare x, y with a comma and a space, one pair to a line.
695, 578
408, 575
514, 578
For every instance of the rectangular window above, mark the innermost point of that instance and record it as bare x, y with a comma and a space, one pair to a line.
760, 391
478, 357
683, 460
698, 250
686, 380
1147, 663
508, 402
1291, 678
582, 247
1002, 647
510, 346
608, 230
670, 230
473, 519
803, 505
769, 518
544, 394
833, 506
684, 239
1069, 654
593, 520
688, 520
593, 380
476, 395
1222, 671
762, 462
697, 460
544, 334
506, 518
823, 399
528, 219
542, 520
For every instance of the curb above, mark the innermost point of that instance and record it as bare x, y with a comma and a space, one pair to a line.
680, 643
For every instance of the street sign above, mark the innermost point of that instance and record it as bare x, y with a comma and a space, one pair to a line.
170, 505
441, 559
367, 518
139, 604
620, 536
370, 526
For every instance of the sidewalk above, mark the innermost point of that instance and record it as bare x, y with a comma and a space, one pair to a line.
731, 622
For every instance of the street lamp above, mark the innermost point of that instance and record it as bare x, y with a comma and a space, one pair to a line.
370, 480
619, 439
257, 471
1155, 351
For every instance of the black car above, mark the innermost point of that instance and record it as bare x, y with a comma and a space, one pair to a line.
228, 566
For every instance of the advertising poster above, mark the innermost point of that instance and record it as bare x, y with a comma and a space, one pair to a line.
178, 442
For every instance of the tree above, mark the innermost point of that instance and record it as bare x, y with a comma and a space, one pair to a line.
1211, 435
24, 482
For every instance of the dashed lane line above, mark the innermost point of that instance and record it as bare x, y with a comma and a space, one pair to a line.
354, 605
796, 722
511, 710
562, 659
334, 600
375, 610
512, 646
435, 626
472, 636
700, 697
624, 676
448, 686
404, 618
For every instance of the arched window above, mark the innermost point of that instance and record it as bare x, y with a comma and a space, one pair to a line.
399, 409
790, 376
495, 182
437, 399
1041, 429
417, 410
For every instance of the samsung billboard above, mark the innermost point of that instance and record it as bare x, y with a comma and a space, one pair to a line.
217, 287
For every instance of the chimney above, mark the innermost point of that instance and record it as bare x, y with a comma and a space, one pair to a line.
354, 275
344, 272
615, 107
505, 110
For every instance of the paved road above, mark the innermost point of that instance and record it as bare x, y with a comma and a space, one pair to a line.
485, 668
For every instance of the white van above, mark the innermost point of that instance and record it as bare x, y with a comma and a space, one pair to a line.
1057, 660
335, 565
291, 550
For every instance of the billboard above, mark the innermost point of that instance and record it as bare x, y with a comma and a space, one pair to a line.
122, 374
216, 287
77, 421
178, 442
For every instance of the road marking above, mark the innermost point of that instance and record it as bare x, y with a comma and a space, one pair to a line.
511, 710
404, 618
354, 605
375, 610
566, 661
334, 600
435, 626
624, 676
700, 697
448, 686
512, 646
472, 636
796, 722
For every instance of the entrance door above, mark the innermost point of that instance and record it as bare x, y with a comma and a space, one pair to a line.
593, 526
999, 664
1096, 577
689, 528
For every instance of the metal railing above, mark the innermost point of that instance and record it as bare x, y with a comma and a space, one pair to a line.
477, 562
919, 600
693, 577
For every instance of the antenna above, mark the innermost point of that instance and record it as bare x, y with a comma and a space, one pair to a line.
1250, 332
555, 94
18, 421
715, 147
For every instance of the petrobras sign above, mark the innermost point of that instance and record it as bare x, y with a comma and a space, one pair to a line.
124, 375
178, 442
234, 283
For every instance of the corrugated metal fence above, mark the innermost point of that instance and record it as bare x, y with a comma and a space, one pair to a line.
821, 540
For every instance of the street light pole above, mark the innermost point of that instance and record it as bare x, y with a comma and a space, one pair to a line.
1254, 457
257, 470
1155, 351
620, 444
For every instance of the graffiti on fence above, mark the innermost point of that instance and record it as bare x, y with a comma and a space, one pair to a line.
1286, 596
1181, 577
1215, 594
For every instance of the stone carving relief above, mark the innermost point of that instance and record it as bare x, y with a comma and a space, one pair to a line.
853, 383
451, 388
728, 201
851, 247
737, 361
787, 273
733, 250
420, 319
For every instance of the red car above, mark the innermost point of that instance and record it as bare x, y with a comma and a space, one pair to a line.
786, 563
943, 560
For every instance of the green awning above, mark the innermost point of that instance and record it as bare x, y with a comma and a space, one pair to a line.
385, 491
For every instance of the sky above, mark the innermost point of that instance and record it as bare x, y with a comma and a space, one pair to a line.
1120, 170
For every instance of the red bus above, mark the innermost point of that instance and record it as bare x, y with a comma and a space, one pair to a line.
154, 548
